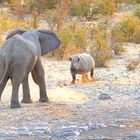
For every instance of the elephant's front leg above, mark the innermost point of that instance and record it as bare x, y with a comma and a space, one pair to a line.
26, 91
39, 78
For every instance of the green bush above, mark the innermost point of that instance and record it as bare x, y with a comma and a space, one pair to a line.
100, 48
136, 36
104, 7
7, 23
117, 39
137, 11
127, 1
80, 8
73, 39
126, 28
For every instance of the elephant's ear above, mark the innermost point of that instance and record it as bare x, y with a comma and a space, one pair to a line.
16, 31
48, 41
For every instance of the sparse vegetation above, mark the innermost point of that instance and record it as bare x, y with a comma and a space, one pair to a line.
133, 64
100, 48
109, 30
74, 39
126, 30
137, 11
68, 19
106, 7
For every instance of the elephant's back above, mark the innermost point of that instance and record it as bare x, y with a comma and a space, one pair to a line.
19, 51
17, 45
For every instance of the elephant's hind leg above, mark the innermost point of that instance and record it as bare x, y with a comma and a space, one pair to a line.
39, 78
26, 91
14, 99
17, 76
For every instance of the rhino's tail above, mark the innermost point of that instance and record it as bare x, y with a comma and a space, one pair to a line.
5, 69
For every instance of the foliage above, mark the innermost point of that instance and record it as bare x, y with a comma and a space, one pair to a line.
73, 37
18, 8
126, 29
136, 36
59, 15
137, 11
80, 8
100, 49
133, 64
86, 8
1, 40
130, 24
117, 38
127, 1
106, 7
7, 23
73, 34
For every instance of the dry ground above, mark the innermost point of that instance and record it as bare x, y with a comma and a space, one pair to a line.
79, 105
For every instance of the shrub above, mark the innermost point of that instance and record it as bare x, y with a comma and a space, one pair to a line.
7, 23
124, 31
137, 11
133, 64
106, 7
117, 39
1, 40
127, 1
73, 39
100, 48
80, 8
136, 36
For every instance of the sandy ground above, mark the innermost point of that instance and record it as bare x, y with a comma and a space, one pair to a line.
79, 105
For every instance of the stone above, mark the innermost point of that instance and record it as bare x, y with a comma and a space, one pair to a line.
25, 132
42, 124
8, 133
135, 134
39, 132
68, 131
104, 96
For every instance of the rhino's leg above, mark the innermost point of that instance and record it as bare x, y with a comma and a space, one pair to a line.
73, 74
84, 77
91, 74
26, 91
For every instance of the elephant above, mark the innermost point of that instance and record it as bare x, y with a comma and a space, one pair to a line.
20, 54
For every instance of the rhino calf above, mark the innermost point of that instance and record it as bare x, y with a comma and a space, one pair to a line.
82, 64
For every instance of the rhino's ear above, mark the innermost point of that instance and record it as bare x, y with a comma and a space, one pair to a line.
48, 41
16, 31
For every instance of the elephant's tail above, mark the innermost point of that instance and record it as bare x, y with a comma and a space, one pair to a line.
7, 62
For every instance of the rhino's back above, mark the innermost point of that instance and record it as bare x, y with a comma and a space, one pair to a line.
86, 62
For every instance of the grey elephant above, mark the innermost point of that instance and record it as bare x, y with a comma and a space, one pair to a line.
20, 55
82, 64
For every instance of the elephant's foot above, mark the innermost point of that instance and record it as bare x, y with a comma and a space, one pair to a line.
27, 101
44, 99
15, 105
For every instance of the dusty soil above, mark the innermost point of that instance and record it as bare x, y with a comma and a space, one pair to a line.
76, 111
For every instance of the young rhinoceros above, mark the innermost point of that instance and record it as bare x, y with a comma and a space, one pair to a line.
82, 64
